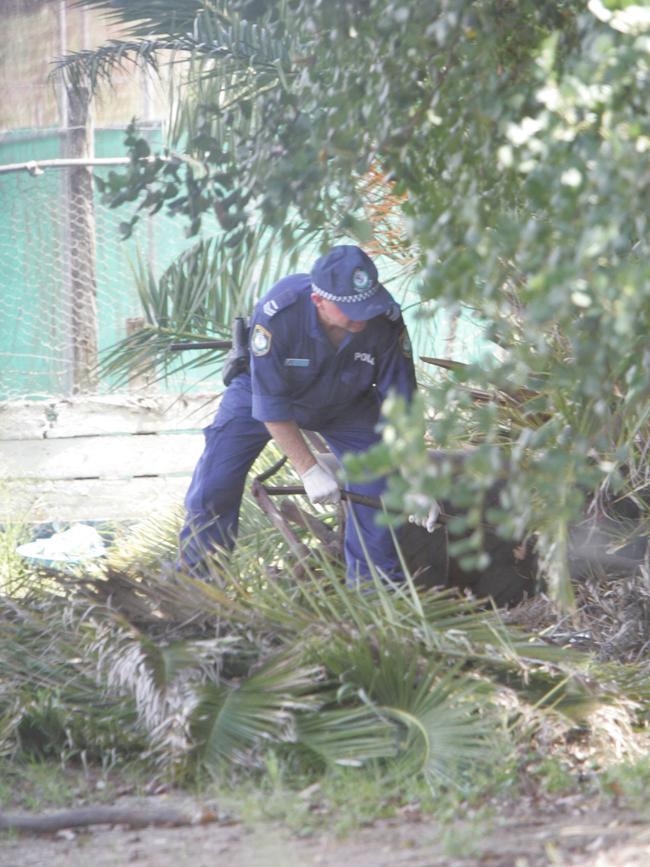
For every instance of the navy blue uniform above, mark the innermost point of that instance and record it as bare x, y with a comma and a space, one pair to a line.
296, 374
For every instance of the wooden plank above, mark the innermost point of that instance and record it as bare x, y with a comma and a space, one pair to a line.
91, 500
104, 414
102, 457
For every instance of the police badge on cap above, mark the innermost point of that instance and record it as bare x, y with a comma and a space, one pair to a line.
348, 277
360, 280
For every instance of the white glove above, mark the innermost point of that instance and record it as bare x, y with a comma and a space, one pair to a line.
430, 520
321, 485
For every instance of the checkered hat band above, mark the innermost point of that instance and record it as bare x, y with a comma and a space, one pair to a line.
346, 299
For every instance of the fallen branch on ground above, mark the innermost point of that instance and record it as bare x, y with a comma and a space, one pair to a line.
85, 816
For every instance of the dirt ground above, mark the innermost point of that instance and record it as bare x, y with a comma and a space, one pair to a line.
571, 832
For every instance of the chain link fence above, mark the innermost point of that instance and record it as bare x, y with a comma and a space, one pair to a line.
67, 285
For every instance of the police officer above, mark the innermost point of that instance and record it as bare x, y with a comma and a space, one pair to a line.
325, 349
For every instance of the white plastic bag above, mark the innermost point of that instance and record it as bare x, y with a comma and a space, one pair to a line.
79, 542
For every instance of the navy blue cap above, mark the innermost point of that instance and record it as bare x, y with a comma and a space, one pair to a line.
348, 277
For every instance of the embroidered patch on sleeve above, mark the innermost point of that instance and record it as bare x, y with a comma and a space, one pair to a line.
405, 344
261, 340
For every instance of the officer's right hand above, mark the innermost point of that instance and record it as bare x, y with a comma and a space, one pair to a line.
321, 485
329, 462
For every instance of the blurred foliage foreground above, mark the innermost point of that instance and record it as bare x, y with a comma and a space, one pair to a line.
127, 659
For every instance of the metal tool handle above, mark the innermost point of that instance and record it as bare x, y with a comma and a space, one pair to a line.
181, 346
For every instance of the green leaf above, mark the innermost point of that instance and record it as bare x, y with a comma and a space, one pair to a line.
230, 720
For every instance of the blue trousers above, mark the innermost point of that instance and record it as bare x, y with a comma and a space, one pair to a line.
232, 443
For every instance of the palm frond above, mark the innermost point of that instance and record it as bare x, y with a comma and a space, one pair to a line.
90, 69
248, 44
225, 81
163, 677
50, 698
144, 17
347, 736
438, 711
143, 546
451, 727
207, 38
197, 297
230, 720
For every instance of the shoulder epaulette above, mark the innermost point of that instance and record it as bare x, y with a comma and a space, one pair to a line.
284, 299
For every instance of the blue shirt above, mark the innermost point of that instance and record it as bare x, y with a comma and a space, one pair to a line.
297, 374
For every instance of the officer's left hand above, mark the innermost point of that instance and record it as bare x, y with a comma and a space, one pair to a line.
430, 520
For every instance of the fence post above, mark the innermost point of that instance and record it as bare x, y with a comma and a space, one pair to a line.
81, 237
137, 381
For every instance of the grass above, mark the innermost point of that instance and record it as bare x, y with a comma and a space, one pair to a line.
13, 569
33, 784
553, 774
343, 799
627, 784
